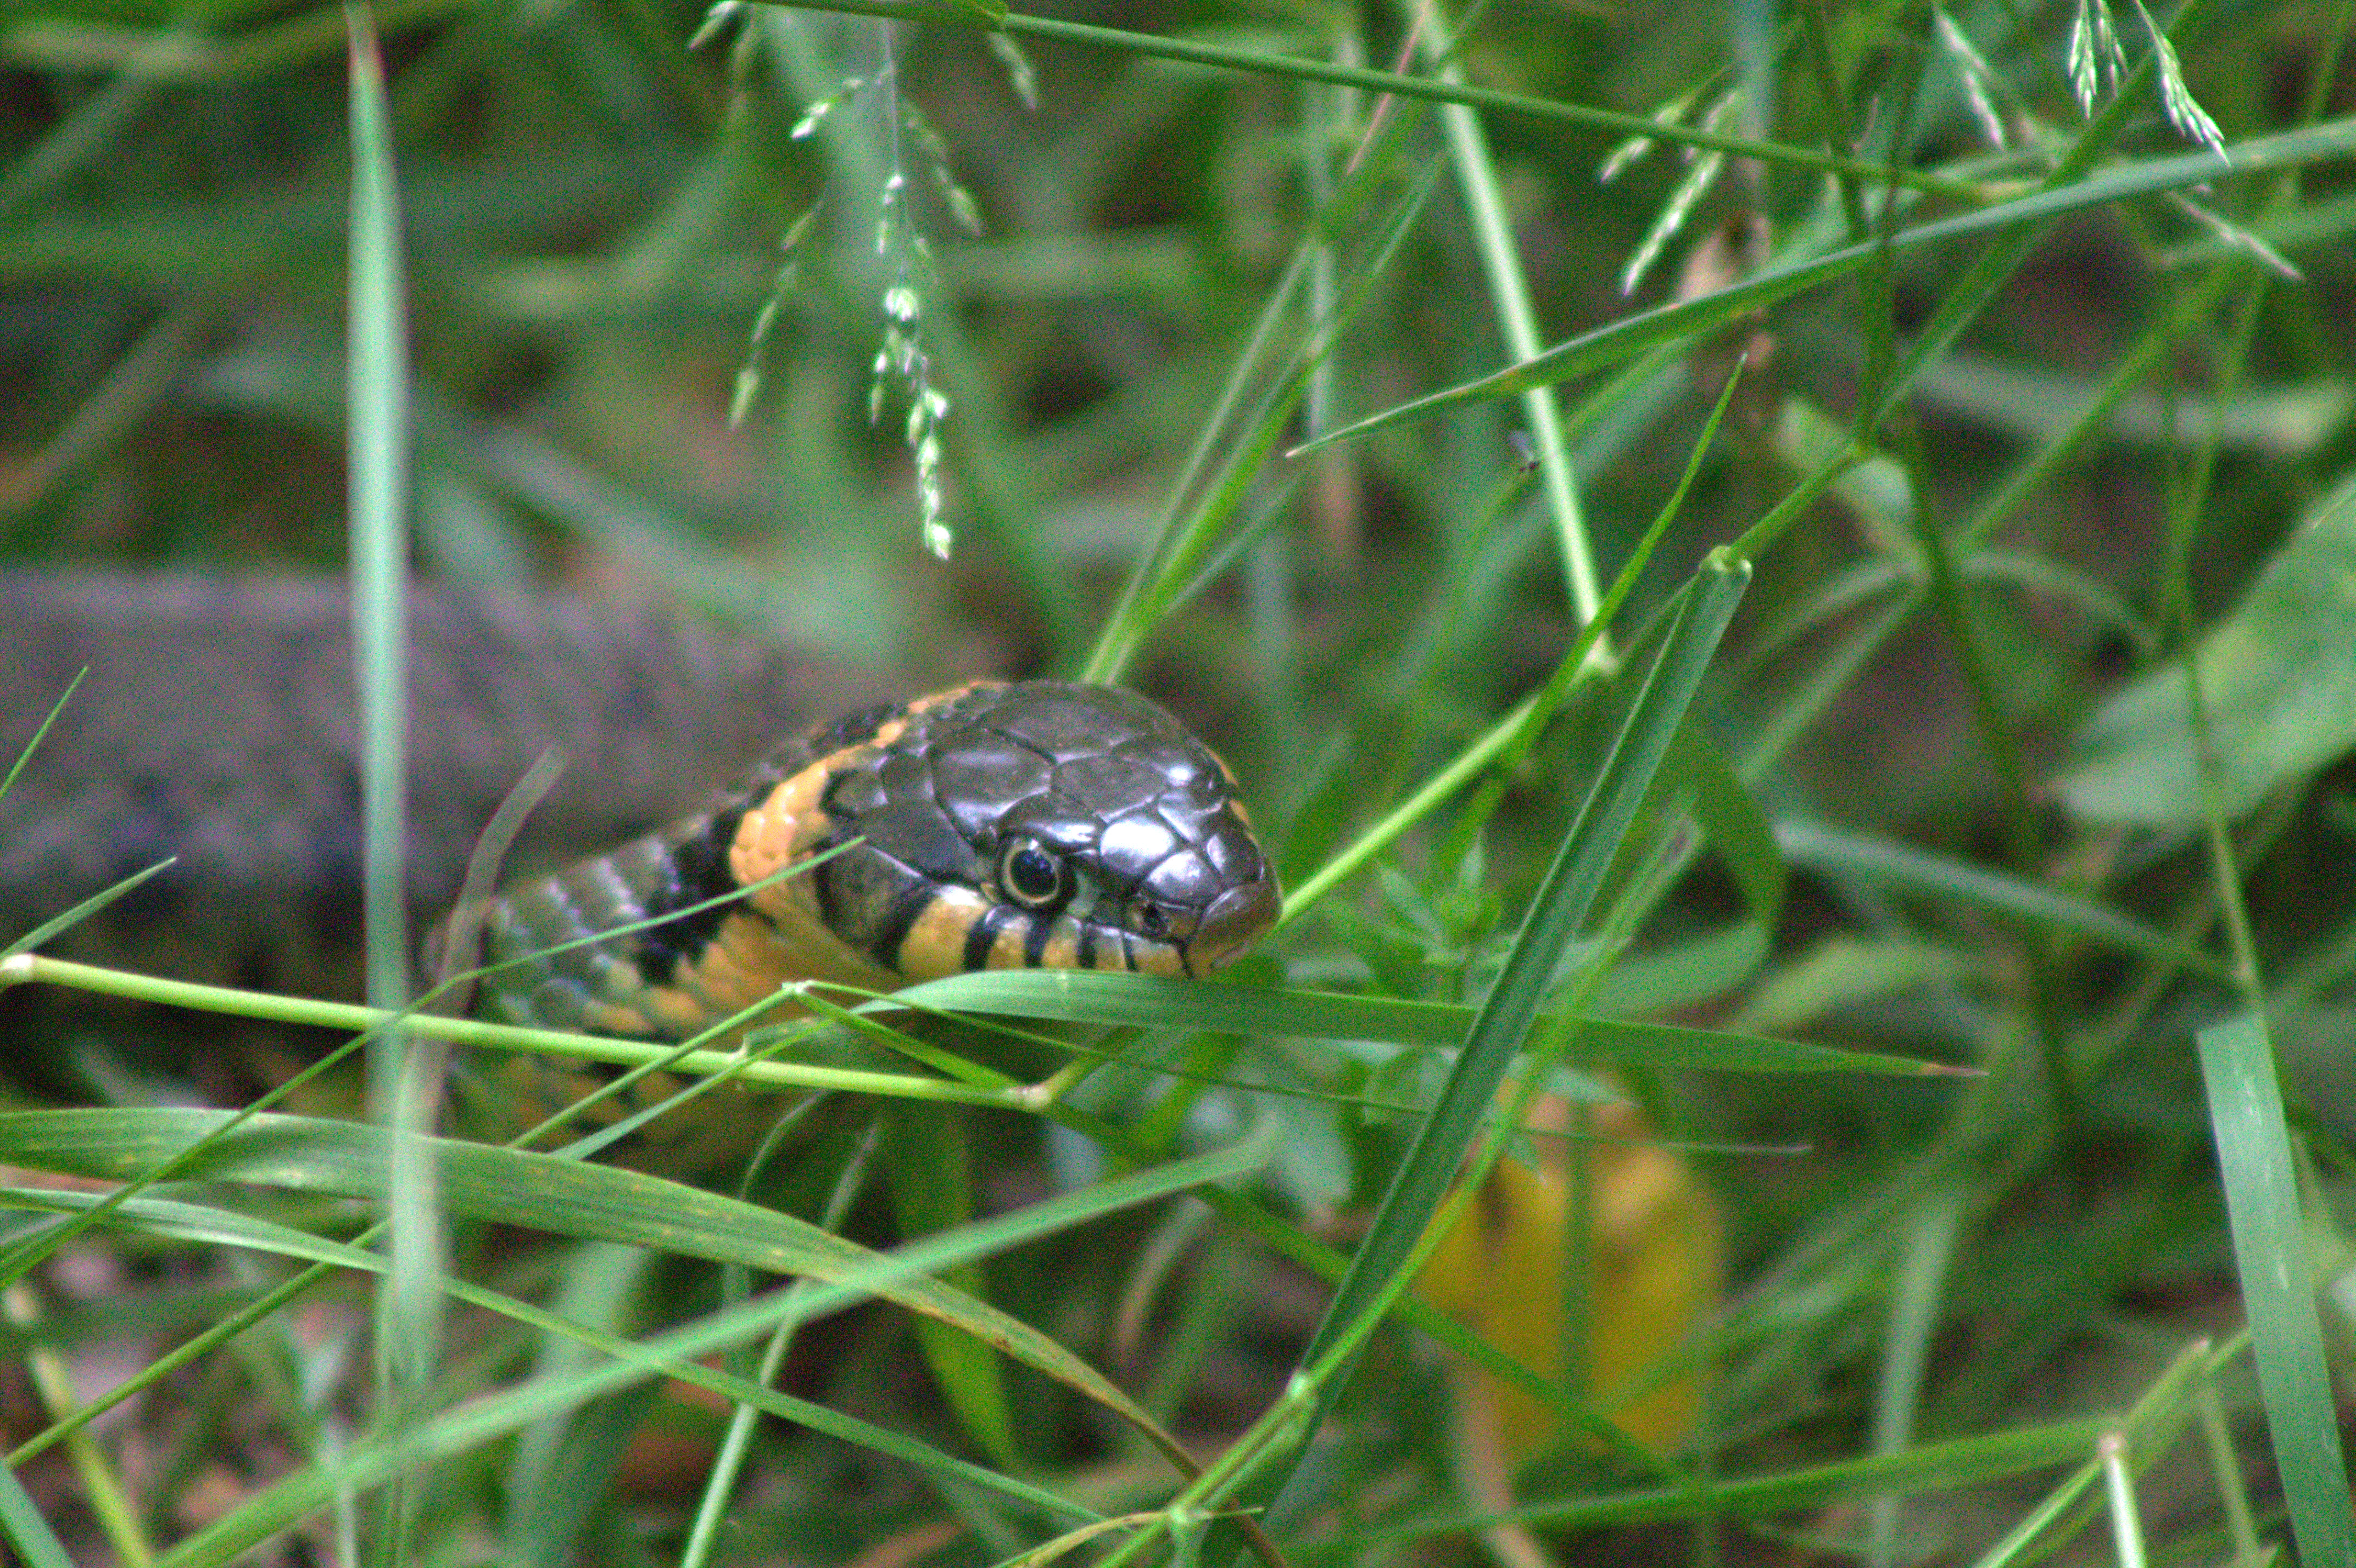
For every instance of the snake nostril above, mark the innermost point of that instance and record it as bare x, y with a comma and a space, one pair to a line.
1158, 920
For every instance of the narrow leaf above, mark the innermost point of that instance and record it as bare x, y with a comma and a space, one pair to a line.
2269, 1225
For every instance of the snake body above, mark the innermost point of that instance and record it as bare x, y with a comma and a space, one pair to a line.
216, 724
1039, 824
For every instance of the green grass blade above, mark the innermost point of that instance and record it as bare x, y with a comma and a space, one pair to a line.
1517, 316
1175, 560
180, 54
1833, 851
2270, 1250
29, 1534
929, 1159
34, 744
1632, 335
899, 1278
1917, 1307
1928, 1467
1951, 1465
1220, 57
1508, 740
270, 1006
378, 445
1147, 1001
377, 434
201, 1225
1560, 906
569, 1198
57, 924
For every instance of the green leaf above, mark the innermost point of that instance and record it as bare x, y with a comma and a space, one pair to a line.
57, 925
25, 1529
2277, 676
540, 1192
26, 755
1560, 907
1841, 970
2270, 1254
2041, 404
1886, 862
1151, 1002
929, 1161
563, 1381
1736, 827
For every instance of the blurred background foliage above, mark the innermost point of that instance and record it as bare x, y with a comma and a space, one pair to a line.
650, 279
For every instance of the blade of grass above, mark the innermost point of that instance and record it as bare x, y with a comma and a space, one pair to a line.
1582, 661
376, 452
1510, 737
1218, 57
1509, 298
1827, 850
1147, 1001
1496, 1036
1250, 1217
118, 1518
270, 1006
27, 1531
1633, 334
1173, 563
720, 1482
58, 924
196, 1225
1951, 1465
338, 1154
34, 744
2270, 1251
404, 1077
182, 55
1915, 1313
546, 1193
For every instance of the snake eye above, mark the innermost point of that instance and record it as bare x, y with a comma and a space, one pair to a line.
1152, 923
1031, 876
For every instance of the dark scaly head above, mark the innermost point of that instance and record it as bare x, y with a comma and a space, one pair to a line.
1037, 825
1040, 824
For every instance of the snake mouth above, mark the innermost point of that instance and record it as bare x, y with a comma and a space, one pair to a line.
1236, 919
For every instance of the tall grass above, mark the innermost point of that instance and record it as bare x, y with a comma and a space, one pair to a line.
1828, 698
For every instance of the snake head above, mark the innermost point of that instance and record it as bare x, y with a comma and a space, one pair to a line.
1039, 824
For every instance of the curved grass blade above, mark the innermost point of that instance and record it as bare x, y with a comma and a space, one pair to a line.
536, 1191
203, 1225
601, 1202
